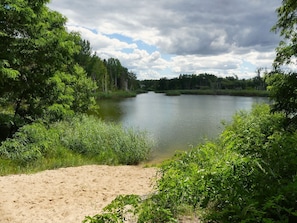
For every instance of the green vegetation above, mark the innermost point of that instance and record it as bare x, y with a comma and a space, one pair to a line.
47, 73
77, 141
39, 77
250, 93
209, 84
247, 175
48, 78
173, 93
116, 94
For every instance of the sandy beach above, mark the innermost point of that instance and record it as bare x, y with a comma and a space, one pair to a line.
69, 194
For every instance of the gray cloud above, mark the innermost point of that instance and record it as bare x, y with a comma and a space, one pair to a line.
184, 27
204, 29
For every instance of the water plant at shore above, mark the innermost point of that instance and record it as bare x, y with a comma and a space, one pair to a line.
79, 140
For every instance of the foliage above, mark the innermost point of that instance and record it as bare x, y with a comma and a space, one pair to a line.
84, 138
282, 85
132, 208
249, 93
241, 178
173, 93
108, 74
116, 94
204, 82
247, 175
92, 137
31, 143
286, 25
38, 73
282, 90
117, 211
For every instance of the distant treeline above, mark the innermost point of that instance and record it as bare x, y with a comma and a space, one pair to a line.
204, 82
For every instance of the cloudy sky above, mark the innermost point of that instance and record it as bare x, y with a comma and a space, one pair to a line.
165, 38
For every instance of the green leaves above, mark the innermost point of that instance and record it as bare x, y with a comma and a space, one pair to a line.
247, 175
286, 24
6, 71
110, 143
38, 73
282, 89
84, 136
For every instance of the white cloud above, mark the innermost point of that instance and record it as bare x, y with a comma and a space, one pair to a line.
195, 36
102, 42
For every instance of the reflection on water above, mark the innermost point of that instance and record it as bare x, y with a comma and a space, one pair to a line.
176, 123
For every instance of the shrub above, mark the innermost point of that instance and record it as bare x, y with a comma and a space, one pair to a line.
30, 143
247, 175
77, 139
92, 137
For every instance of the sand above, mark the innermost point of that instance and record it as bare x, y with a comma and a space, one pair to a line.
69, 194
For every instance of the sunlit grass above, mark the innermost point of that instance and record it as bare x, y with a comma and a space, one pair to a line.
81, 140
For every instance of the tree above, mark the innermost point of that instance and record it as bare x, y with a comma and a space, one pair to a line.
114, 69
283, 86
99, 73
133, 83
38, 73
286, 25
84, 56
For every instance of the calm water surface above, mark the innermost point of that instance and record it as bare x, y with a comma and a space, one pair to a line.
176, 123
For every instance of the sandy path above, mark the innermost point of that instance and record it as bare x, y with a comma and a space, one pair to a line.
68, 194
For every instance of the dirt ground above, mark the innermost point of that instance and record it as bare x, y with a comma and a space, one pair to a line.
69, 194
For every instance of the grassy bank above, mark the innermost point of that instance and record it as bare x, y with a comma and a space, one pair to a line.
248, 93
247, 175
118, 94
78, 141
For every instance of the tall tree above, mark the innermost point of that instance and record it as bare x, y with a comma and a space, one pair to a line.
83, 57
283, 86
37, 68
114, 69
286, 26
99, 73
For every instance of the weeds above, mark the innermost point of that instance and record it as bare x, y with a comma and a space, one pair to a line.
247, 175
77, 141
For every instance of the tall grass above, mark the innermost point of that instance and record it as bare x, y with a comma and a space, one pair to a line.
249, 174
107, 142
115, 94
77, 141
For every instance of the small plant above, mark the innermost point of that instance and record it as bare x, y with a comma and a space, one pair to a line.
132, 208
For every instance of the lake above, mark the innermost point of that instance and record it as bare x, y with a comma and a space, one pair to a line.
177, 122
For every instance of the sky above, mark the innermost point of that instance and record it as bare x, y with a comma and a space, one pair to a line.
166, 38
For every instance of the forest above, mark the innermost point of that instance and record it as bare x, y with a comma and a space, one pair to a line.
205, 81
48, 84
49, 80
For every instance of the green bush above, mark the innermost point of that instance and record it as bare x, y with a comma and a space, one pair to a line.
30, 143
247, 175
92, 137
79, 140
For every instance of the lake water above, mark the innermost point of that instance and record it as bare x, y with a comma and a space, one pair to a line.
177, 122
